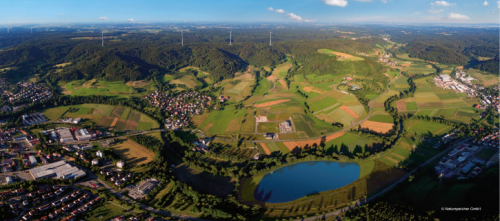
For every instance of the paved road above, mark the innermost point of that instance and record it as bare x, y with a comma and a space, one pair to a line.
371, 198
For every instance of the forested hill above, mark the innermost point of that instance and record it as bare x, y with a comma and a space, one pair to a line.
449, 46
137, 56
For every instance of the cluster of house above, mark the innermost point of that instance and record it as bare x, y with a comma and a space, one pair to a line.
341, 57
461, 160
34, 119
64, 134
180, 107
362, 53
71, 120
387, 61
27, 93
117, 178
76, 201
202, 144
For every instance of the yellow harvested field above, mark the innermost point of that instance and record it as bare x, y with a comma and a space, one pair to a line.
133, 153
140, 83
377, 126
192, 67
62, 64
271, 103
113, 124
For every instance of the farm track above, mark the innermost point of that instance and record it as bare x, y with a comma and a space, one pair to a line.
343, 130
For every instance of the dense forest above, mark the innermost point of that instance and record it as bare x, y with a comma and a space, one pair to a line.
137, 56
449, 45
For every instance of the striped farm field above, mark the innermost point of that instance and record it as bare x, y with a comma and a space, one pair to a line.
411, 106
264, 147
349, 111
271, 103
293, 146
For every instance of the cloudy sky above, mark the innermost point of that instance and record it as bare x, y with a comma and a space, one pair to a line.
319, 11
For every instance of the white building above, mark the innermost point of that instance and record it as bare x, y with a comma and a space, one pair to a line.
120, 164
33, 160
58, 169
65, 135
99, 154
83, 135
445, 77
95, 162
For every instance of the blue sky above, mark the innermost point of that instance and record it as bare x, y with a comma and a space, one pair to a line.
319, 11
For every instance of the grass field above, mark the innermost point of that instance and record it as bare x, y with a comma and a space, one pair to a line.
382, 118
268, 127
105, 88
133, 153
104, 116
107, 211
348, 57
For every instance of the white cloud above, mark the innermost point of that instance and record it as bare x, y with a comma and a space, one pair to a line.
363, 0
486, 3
456, 16
103, 18
280, 11
340, 3
131, 20
293, 17
61, 14
498, 3
270, 9
442, 3
415, 13
435, 11
384, 1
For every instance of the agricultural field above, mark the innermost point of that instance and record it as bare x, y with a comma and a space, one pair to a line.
268, 127
189, 81
348, 57
427, 128
483, 78
350, 140
333, 106
105, 88
133, 153
106, 117
380, 123
240, 87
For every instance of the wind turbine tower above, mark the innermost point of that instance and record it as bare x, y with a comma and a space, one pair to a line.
182, 38
8, 31
270, 43
102, 38
230, 32
31, 30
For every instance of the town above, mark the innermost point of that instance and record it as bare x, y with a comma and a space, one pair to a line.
22, 94
181, 107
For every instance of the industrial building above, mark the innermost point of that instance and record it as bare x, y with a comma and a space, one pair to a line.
65, 135
82, 135
58, 169
33, 119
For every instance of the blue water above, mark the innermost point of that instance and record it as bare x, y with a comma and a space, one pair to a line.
302, 179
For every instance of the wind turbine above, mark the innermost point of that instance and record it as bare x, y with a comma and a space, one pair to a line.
182, 38
270, 43
102, 38
31, 30
8, 31
230, 32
